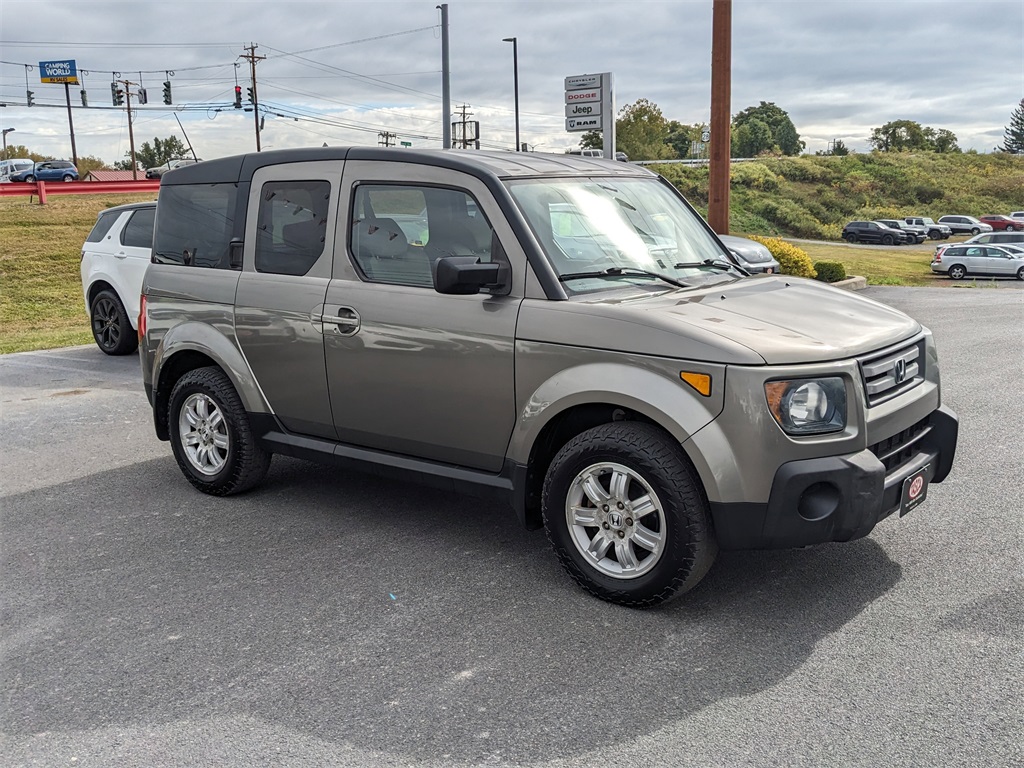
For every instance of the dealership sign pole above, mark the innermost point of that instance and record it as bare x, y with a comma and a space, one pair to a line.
62, 72
590, 106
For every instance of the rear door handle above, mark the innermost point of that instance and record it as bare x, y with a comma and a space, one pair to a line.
120, 255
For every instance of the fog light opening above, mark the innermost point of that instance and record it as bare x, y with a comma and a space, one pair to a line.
818, 501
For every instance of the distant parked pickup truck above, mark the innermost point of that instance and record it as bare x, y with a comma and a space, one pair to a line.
935, 230
915, 232
170, 165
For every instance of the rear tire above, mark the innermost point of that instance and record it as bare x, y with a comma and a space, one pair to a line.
957, 272
211, 437
851, 238
111, 327
1020, 273
68, 177
626, 515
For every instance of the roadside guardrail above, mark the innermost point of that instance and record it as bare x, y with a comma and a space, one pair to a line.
42, 189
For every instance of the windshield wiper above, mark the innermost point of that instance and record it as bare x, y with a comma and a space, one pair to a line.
623, 272
722, 265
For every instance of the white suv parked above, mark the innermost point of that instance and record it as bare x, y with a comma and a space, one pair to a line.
115, 257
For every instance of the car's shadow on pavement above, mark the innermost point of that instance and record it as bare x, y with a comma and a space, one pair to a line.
377, 614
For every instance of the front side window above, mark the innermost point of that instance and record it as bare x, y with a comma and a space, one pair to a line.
291, 226
399, 231
600, 233
194, 225
138, 232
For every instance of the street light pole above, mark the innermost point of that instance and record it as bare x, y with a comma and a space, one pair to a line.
515, 80
6, 131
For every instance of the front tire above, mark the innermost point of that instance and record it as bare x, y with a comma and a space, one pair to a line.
887, 240
626, 515
211, 437
29, 179
975, 231
111, 327
934, 234
957, 272
1020, 273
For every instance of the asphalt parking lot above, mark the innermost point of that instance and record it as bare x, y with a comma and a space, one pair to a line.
334, 619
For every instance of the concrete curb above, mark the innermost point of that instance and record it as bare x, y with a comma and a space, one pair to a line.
852, 283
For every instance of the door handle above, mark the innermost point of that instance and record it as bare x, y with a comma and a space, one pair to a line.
120, 255
346, 321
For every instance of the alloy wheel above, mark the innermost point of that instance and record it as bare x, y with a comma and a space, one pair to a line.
203, 433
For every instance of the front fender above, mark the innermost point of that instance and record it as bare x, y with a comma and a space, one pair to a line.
209, 339
549, 382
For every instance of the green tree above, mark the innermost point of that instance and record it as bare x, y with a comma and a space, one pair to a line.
157, 153
1013, 137
911, 136
839, 148
751, 138
783, 132
680, 137
641, 131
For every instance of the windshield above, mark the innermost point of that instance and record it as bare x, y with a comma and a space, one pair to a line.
600, 233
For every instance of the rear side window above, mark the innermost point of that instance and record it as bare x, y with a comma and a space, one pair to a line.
194, 225
138, 232
102, 226
291, 227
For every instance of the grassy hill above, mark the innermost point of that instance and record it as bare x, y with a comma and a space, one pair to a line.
814, 196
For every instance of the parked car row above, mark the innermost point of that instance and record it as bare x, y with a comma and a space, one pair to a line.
915, 229
23, 169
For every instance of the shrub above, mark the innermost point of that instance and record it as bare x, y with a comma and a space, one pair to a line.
830, 271
754, 175
792, 260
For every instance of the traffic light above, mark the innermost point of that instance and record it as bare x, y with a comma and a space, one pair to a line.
116, 94
252, 99
238, 97
85, 98
167, 92
143, 98
29, 94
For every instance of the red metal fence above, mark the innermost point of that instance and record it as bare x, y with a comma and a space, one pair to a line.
42, 189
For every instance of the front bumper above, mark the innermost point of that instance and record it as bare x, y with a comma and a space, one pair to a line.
839, 498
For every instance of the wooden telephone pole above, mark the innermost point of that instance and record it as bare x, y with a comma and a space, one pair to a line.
721, 134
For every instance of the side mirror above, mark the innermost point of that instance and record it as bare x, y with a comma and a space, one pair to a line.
464, 275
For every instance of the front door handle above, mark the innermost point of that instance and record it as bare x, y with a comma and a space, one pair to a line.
345, 321
120, 255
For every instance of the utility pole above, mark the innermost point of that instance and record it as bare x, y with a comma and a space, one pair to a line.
131, 135
446, 82
386, 139
71, 125
462, 139
252, 58
721, 79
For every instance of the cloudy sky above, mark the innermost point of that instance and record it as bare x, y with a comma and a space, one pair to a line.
339, 72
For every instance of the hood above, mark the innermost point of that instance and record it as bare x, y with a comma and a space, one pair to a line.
763, 319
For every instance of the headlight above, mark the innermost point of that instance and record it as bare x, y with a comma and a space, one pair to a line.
808, 406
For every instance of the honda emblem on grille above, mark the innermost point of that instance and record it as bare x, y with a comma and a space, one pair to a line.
899, 370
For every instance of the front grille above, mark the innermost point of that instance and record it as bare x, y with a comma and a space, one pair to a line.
892, 372
897, 450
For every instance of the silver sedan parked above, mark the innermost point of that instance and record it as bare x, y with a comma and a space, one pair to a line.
960, 261
751, 255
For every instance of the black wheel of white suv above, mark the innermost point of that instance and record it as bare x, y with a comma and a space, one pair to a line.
626, 515
111, 327
212, 440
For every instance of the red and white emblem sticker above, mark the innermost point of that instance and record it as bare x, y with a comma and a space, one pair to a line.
916, 487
